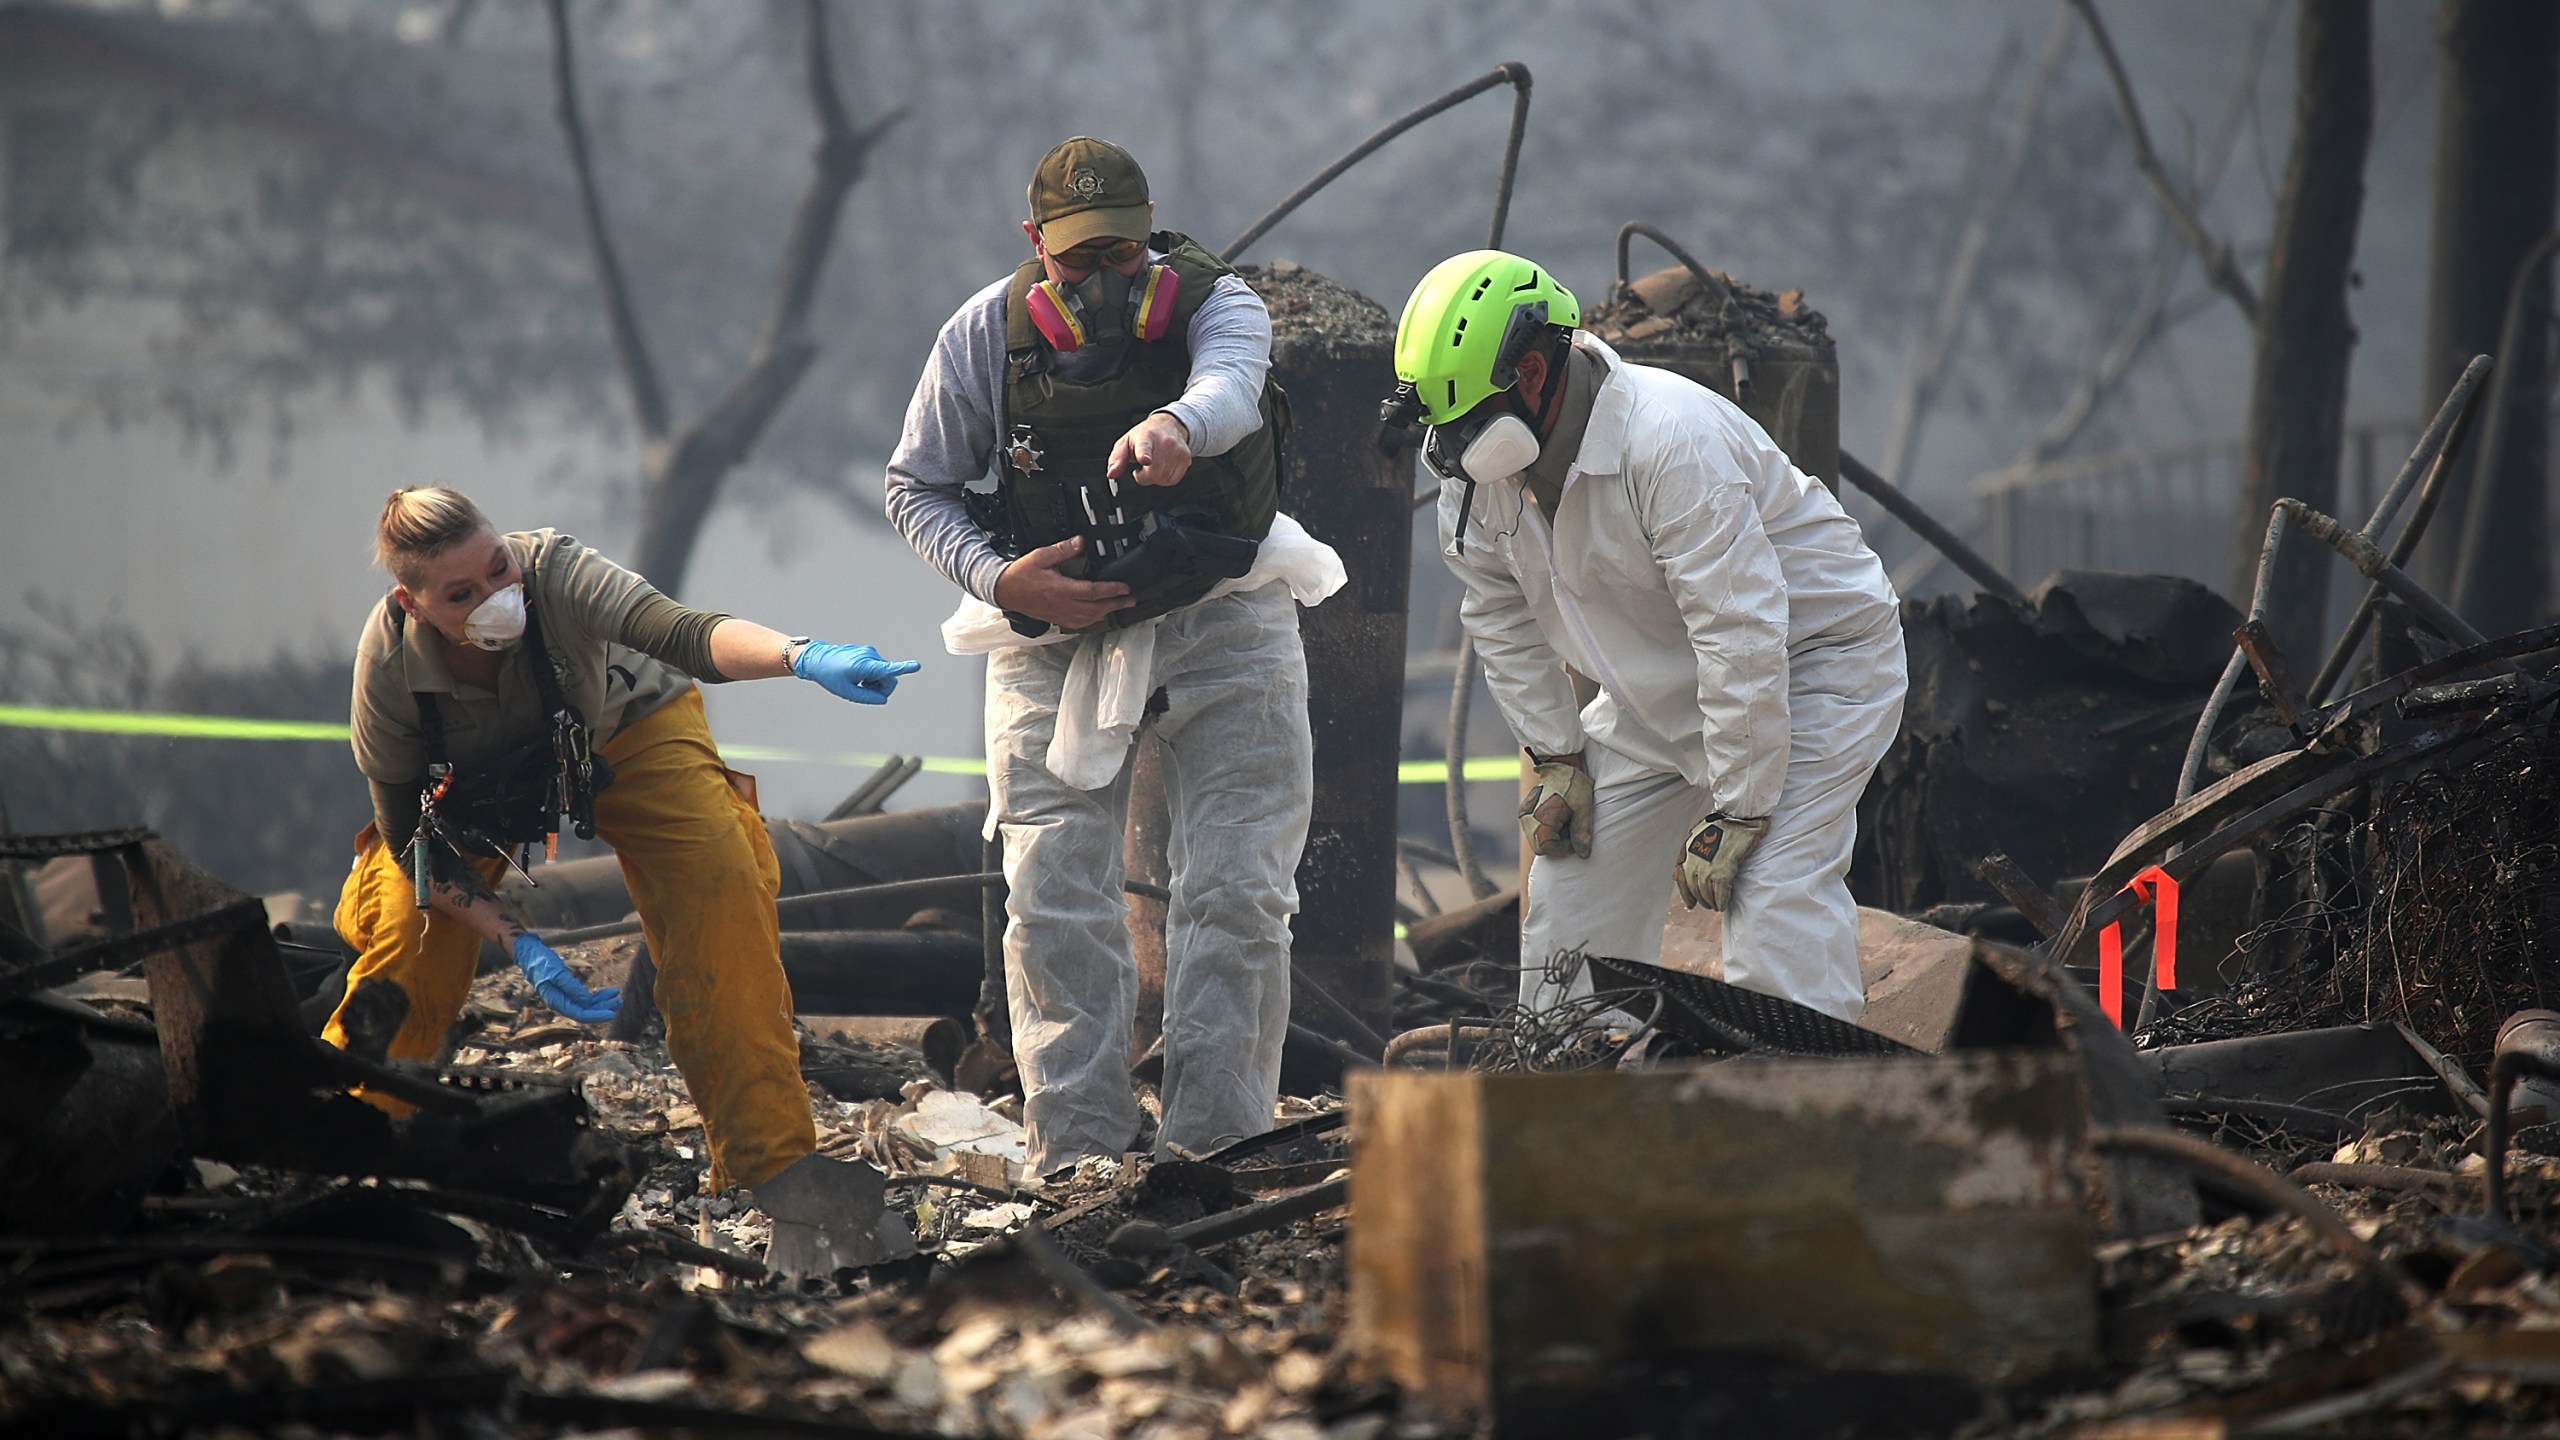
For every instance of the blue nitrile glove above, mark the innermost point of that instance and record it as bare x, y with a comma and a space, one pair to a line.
559, 989
851, 672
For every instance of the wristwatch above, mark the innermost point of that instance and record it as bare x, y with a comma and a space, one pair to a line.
791, 650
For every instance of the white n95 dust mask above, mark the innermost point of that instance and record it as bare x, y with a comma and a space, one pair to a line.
499, 620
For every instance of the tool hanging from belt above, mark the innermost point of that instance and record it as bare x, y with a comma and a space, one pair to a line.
522, 796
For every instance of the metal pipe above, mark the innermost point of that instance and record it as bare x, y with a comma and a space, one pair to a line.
2529, 1043
2359, 550
2457, 402
887, 890
1333, 1049
2475, 524
882, 972
1903, 508
1722, 292
1442, 1038
1462, 840
1510, 72
2439, 469
2370, 562
1518, 131
789, 904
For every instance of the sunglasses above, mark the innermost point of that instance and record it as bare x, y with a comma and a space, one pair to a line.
1094, 254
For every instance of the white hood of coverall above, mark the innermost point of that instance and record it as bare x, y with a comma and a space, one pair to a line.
1691, 653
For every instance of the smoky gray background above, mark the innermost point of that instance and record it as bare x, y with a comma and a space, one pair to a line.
282, 257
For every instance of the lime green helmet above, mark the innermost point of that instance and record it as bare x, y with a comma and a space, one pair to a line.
1468, 324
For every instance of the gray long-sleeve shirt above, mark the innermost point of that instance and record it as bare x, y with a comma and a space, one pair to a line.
954, 423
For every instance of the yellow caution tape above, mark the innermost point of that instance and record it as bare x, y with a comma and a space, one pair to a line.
777, 754
144, 722
242, 727
1476, 768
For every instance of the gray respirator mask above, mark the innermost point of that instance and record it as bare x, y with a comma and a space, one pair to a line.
1102, 303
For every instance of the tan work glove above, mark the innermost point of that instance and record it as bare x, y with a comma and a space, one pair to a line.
1713, 857
1555, 816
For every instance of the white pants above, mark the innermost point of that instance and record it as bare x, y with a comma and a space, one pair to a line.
1240, 783
1792, 930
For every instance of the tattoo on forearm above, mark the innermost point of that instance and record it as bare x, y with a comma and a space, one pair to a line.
466, 892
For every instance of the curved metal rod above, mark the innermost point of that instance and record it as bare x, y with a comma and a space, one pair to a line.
2192, 772
1509, 72
1907, 510
1462, 840
2475, 524
2267, 1185
2457, 403
2460, 405
1722, 292
2434, 453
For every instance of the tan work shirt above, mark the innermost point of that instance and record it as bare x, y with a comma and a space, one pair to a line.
587, 606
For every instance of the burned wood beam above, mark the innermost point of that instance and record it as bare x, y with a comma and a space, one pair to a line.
2275, 680
677, 1247
2004, 875
1266, 1215
124, 950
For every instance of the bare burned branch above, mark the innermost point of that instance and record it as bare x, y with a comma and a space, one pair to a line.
630, 346
2220, 264
687, 463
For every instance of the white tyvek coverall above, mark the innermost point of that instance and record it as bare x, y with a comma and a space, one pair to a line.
1239, 783
1060, 713
1749, 653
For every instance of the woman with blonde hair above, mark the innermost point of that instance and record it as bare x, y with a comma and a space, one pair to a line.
511, 684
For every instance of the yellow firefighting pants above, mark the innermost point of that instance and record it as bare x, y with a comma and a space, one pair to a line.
703, 877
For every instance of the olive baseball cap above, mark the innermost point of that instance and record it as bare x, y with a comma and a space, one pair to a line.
1086, 188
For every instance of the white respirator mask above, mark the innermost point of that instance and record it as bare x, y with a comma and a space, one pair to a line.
1503, 448
498, 622
1499, 449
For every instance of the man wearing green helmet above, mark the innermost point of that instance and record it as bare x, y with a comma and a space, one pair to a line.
1641, 529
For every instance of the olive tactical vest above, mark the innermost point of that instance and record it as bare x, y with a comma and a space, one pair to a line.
1072, 428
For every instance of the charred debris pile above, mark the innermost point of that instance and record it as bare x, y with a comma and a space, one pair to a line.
2206, 1088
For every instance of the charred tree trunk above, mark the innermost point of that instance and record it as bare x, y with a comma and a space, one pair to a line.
684, 465
2298, 391
2497, 144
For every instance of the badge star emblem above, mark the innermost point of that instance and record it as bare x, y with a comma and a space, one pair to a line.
1085, 183
1024, 454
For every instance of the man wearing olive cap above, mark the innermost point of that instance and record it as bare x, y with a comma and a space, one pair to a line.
1093, 454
